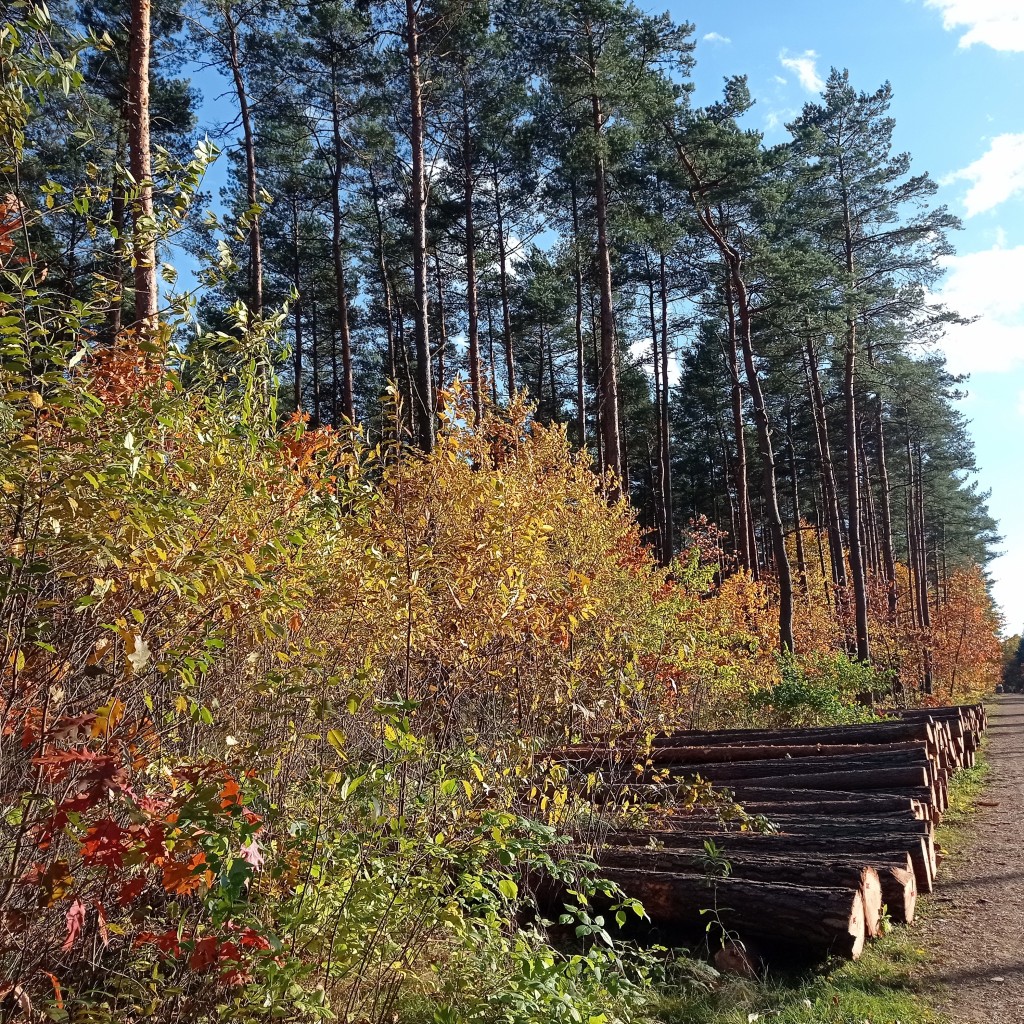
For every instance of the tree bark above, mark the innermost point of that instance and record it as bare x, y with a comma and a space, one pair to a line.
249, 143
581, 397
829, 921
348, 408
506, 314
744, 533
608, 386
472, 308
665, 451
423, 399
828, 476
141, 164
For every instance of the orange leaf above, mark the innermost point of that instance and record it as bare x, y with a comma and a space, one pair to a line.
56, 989
182, 879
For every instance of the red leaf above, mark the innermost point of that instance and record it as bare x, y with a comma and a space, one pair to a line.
130, 890
104, 844
75, 920
204, 955
253, 940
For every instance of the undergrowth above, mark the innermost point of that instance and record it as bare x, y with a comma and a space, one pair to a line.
274, 694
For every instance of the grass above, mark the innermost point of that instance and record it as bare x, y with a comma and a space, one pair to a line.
886, 986
881, 988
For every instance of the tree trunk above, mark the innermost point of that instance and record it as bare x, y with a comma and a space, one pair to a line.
442, 346
117, 223
297, 283
338, 255
141, 164
315, 364
768, 474
801, 555
423, 399
506, 314
472, 310
754, 845
608, 385
657, 491
249, 142
828, 476
853, 511
581, 398
743, 530
665, 453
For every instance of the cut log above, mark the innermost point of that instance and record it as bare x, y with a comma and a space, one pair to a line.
835, 808
845, 780
740, 844
597, 757
885, 731
826, 921
771, 767
796, 823
743, 791
820, 872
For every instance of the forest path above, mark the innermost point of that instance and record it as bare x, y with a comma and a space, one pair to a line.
975, 931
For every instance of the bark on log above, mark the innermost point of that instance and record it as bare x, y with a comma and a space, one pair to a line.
823, 920
836, 808
877, 732
816, 872
596, 757
920, 849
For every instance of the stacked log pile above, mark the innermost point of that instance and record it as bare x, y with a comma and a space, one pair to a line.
852, 813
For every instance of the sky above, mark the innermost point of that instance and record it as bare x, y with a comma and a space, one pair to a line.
957, 72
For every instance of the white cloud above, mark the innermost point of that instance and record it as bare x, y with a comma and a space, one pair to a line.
716, 37
986, 285
779, 80
995, 176
804, 66
995, 23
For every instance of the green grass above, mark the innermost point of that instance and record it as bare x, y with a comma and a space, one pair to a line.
884, 987
881, 988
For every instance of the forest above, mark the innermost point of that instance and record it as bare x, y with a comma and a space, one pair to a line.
501, 397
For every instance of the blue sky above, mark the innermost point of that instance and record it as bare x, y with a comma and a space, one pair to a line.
957, 71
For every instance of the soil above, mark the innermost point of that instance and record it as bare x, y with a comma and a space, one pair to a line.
975, 928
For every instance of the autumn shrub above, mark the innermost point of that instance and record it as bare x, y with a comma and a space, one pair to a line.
276, 697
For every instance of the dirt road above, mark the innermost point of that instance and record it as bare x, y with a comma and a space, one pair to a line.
975, 931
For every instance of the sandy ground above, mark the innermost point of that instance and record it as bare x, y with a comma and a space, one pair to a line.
975, 931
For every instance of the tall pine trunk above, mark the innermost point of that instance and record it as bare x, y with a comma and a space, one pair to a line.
853, 498
833, 518
141, 164
744, 533
506, 313
249, 143
338, 257
423, 397
665, 454
472, 309
581, 398
769, 487
608, 386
